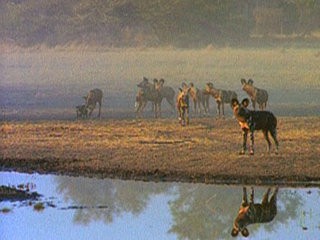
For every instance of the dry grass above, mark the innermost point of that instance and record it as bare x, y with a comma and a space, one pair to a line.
205, 151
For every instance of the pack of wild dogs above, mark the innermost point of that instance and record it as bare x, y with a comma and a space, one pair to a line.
155, 91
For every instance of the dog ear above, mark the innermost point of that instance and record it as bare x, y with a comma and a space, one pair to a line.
161, 80
250, 81
243, 81
245, 232
234, 102
245, 102
234, 232
210, 84
184, 85
155, 80
180, 89
145, 79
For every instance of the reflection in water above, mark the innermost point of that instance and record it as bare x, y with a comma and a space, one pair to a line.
81, 208
251, 212
207, 212
118, 196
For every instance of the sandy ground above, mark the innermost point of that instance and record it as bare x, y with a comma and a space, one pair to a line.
161, 150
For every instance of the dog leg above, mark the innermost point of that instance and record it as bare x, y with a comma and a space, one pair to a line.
274, 136
252, 142
244, 142
266, 136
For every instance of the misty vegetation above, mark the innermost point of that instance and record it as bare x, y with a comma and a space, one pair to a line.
180, 23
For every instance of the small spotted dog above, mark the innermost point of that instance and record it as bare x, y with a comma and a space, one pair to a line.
82, 111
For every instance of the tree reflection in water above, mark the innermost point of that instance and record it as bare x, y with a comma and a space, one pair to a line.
198, 211
118, 196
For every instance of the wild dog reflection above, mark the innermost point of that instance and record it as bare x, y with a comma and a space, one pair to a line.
250, 212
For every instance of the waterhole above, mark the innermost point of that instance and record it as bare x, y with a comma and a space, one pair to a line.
61, 207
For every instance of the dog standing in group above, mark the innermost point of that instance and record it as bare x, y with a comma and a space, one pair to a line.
254, 120
183, 106
257, 95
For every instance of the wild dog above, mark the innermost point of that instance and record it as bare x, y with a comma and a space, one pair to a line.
183, 106
257, 95
199, 98
250, 212
166, 92
93, 97
193, 94
140, 102
221, 96
254, 120
155, 92
203, 98
82, 111
151, 94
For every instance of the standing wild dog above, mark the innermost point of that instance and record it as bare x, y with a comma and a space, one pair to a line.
166, 92
203, 98
221, 96
257, 95
250, 212
94, 96
141, 102
183, 106
148, 92
199, 97
254, 120
82, 111
155, 92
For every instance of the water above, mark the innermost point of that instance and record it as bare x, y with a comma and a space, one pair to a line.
86, 208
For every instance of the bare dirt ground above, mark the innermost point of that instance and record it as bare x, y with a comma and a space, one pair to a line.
161, 150
39, 89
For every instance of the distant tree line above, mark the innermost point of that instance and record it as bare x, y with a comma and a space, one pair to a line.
184, 23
